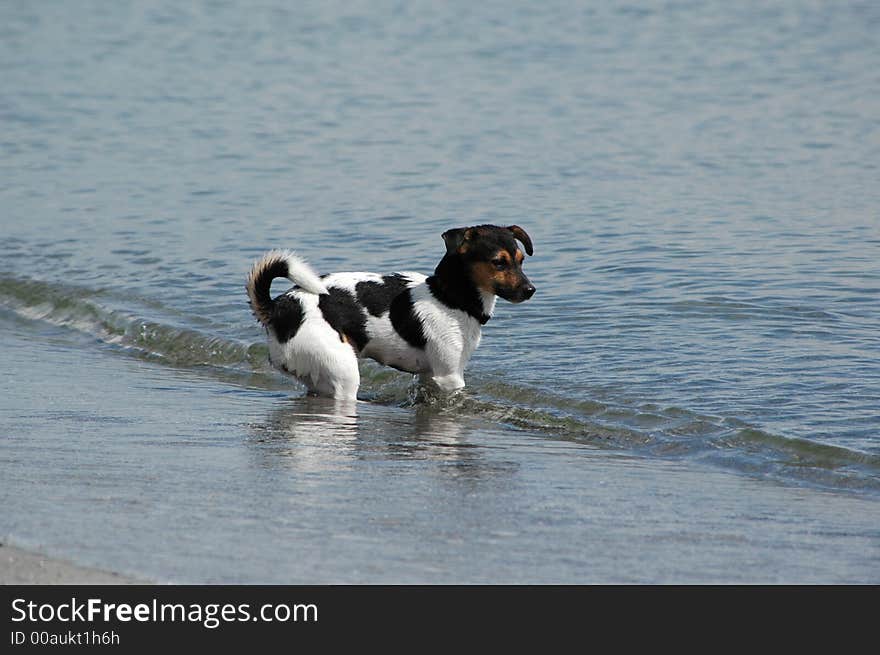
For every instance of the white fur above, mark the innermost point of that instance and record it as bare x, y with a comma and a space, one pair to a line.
452, 336
299, 272
328, 366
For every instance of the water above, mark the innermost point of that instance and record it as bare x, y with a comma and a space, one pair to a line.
693, 395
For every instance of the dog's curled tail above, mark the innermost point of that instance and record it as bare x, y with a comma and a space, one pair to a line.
278, 263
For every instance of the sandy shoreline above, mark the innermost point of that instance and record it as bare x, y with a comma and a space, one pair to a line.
25, 567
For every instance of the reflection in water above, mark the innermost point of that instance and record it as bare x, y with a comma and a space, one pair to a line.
309, 434
319, 435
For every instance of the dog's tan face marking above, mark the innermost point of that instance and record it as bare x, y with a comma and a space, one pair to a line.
498, 273
483, 275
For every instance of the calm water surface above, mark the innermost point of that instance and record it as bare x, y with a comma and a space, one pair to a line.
693, 395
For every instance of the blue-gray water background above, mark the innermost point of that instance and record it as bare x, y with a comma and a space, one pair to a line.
693, 395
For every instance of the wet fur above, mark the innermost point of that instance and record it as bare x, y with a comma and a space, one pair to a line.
426, 325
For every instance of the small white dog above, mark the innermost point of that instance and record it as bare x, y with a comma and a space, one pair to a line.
428, 325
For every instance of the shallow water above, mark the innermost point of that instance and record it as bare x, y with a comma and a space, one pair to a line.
692, 395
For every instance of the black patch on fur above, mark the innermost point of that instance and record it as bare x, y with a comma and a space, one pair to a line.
452, 286
378, 296
345, 315
287, 316
404, 320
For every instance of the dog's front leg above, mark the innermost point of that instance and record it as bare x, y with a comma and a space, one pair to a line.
447, 383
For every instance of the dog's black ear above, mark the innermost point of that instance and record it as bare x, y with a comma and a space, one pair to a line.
521, 234
455, 238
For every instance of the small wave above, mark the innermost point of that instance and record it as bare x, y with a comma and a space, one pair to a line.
80, 309
669, 432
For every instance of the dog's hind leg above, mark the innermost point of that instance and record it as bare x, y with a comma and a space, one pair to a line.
343, 378
338, 375
323, 362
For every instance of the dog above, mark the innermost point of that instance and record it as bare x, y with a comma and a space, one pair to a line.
425, 325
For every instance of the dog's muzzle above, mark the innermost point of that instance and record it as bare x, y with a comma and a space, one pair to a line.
518, 294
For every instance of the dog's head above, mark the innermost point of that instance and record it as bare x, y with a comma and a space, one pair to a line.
492, 259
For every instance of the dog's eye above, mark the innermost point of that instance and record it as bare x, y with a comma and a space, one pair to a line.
500, 264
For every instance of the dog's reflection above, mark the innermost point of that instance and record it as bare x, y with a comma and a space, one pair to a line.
313, 434
309, 433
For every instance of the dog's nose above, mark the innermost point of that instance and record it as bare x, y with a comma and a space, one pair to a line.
529, 291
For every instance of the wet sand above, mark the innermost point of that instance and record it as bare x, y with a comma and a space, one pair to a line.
19, 566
